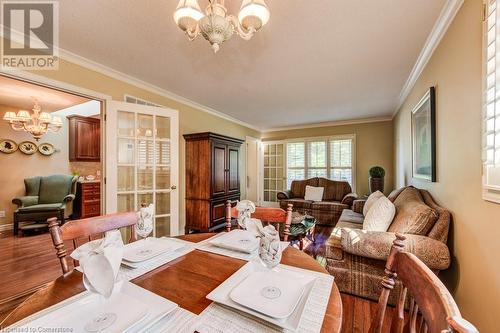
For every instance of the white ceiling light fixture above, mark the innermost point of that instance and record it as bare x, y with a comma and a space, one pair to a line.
216, 26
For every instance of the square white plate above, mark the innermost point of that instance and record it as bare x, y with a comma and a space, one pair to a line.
137, 309
221, 294
148, 248
237, 240
273, 293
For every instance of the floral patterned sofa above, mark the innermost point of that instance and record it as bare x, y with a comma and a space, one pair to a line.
357, 258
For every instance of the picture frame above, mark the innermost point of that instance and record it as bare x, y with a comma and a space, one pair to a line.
423, 136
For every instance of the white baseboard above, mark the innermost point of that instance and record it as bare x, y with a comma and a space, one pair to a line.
6, 227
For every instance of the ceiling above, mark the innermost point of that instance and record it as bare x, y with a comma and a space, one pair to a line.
21, 95
316, 60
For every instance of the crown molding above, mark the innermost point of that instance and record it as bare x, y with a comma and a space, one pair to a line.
115, 74
330, 123
442, 24
100, 68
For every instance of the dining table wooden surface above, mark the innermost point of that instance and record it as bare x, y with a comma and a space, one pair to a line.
186, 281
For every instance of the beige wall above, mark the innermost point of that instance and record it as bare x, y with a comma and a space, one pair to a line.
191, 120
455, 70
17, 166
374, 146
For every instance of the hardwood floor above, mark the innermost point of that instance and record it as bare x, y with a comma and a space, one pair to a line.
26, 263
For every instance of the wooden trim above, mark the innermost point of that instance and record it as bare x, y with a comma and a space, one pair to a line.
211, 135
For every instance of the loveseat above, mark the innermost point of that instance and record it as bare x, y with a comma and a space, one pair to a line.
45, 197
357, 258
337, 196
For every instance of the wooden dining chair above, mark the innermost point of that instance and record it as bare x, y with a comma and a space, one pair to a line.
268, 215
431, 307
86, 230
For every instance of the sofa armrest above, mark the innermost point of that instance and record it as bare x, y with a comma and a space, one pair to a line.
349, 199
69, 198
357, 206
377, 245
25, 201
284, 195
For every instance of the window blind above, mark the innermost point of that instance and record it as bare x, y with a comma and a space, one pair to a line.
491, 138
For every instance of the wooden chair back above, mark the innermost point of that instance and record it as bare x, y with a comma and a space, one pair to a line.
268, 215
431, 306
87, 230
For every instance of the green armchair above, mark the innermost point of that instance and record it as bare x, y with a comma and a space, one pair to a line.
45, 197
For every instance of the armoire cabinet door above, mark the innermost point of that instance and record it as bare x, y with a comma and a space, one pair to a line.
233, 177
219, 169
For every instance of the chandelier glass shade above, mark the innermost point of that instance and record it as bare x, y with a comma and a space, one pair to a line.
215, 25
37, 123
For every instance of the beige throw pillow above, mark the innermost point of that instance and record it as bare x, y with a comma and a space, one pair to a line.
314, 193
371, 200
380, 215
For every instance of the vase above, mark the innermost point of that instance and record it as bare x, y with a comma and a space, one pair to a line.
376, 184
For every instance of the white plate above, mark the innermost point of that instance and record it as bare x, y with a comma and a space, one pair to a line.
273, 293
237, 240
136, 308
148, 248
221, 294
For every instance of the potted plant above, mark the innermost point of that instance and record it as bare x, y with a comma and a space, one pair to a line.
377, 174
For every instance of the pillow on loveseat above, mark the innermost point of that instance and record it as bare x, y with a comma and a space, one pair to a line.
413, 216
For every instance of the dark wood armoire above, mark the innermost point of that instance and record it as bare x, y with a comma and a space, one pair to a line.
212, 178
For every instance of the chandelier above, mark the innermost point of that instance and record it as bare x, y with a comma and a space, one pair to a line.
37, 124
216, 26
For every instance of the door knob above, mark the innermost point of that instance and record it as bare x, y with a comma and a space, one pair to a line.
173, 187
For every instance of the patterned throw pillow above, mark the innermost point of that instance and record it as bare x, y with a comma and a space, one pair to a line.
413, 216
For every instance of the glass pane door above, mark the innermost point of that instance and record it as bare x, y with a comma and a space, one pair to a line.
143, 171
274, 172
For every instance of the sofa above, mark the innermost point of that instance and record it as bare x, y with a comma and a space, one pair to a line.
45, 197
357, 258
337, 196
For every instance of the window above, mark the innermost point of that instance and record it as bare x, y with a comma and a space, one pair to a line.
329, 158
274, 156
491, 110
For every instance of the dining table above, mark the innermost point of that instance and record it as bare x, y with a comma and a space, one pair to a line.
186, 281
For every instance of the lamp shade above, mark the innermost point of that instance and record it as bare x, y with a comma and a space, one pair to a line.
23, 116
56, 121
253, 14
45, 117
9, 116
187, 14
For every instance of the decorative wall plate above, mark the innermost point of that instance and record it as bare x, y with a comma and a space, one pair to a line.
28, 147
8, 146
46, 149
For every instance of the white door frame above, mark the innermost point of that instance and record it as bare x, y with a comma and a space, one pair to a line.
257, 164
112, 108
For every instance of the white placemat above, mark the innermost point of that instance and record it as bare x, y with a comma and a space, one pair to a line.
149, 265
179, 321
207, 247
220, 319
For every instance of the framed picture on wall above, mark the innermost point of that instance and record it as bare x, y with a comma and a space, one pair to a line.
423, 135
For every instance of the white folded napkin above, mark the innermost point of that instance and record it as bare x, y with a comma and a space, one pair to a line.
144, 225
245, 208
100, 262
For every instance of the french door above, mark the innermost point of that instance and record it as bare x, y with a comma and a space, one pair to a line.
142, 162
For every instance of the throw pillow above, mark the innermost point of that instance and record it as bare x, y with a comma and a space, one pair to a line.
314, 193
413, 215
371, 200
380, 215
